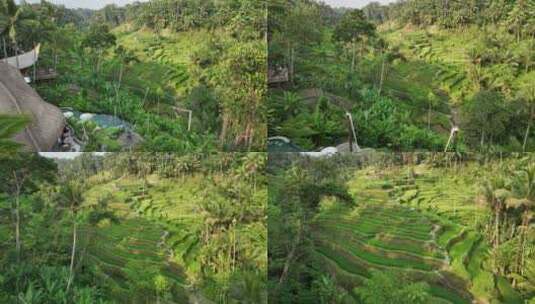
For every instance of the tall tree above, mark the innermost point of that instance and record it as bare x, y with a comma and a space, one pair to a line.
523, 199
21, 174
14, 19
71, 198
351, 29
526, 93
485, 115
97, 40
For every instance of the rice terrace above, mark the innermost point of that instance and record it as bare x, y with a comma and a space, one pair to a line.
401, 228
133, 228
159, 75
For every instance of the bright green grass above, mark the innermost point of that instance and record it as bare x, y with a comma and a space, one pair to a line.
449, 232
344, 261
148, 212
509, 295
116, 246
441, 292
482, 279
384, 235
459, 250
165, 59
374, 255
381, 242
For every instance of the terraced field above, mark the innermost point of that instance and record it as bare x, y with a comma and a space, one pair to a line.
410, 224
156, 233
436, 49
163, 60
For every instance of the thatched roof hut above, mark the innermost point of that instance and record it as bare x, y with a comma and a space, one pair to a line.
18, 98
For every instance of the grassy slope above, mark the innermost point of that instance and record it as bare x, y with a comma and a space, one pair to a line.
410, 81
163, 58
164, 65
440, 61
425, 234
156, 223
445, 51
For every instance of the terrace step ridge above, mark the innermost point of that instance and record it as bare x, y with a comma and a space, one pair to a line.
402, 252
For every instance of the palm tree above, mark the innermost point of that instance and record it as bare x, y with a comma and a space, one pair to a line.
125, 57
252, 164
495, 195
291, 104
14, 19
526, 92
523, 187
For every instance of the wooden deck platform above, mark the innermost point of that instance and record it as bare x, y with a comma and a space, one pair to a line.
45, 74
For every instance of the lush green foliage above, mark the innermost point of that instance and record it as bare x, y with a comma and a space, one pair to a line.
9, 126
428, 66
133, 228
143, 61
417, 229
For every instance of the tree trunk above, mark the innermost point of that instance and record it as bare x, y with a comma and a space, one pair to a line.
354, 51
73, 253
429, 117
527, 130
292, 64
482, 138
17, 224
350, 137
98, 61
497, 228
121, 74
290, 257
382, 76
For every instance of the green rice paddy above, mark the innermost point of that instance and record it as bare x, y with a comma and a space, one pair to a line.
156, 232
421, 224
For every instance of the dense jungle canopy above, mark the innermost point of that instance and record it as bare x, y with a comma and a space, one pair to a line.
133, 228
408, 73
149, 64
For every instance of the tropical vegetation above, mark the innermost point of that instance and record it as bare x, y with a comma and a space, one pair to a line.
408, 73
401, 228
133, 228
187, 76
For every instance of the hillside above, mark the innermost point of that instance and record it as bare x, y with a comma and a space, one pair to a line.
417, 229
180, 76
410, 74
143, 228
